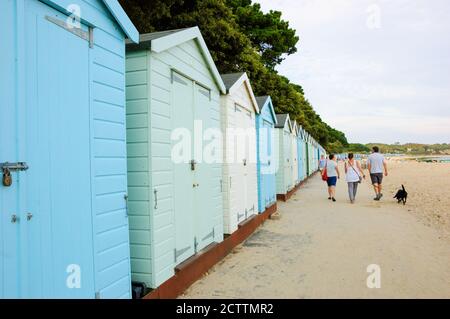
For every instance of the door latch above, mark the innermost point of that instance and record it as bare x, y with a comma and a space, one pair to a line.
6, 171
19, 166
193, 163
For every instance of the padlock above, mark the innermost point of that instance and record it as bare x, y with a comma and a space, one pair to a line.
7, 179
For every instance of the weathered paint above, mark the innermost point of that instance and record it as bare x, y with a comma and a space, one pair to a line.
174, 211
267, 161
240, 186
63, 106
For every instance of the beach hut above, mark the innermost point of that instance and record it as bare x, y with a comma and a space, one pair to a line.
63, 223
294, 156
283, 131
310, 155
174, 170
307, 154
266, 161
300, 156
240, 185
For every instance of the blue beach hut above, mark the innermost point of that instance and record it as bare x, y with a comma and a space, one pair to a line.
64, 225
265, 129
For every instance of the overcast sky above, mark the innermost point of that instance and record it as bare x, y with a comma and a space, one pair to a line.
377, 70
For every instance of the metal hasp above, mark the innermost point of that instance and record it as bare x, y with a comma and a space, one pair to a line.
19, 166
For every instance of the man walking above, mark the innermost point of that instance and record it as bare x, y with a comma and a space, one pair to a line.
376, 164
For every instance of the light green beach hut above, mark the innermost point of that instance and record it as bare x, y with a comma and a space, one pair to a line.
283, 140
175, 198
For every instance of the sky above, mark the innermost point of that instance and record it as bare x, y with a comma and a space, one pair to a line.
377, 70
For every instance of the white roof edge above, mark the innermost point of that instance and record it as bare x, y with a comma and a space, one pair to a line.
122, 19
176, 38
272, 109
244, 79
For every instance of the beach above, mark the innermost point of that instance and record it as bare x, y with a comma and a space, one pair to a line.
428, 187
320, 249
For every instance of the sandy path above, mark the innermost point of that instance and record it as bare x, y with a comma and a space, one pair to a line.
319, 249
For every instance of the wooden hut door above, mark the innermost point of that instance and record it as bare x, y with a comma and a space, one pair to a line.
288, 160
266, 163
58, 248
203, 174
183, 167
295, 160
240, 178
249, 166
300, 159
10, 226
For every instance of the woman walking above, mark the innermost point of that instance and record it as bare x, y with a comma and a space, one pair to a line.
354, 175
333, 174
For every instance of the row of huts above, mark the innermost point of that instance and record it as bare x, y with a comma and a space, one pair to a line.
104, 183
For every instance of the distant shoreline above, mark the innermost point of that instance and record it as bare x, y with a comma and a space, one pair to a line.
425, 158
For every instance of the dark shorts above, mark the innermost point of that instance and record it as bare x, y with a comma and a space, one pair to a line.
331, 181
377, 178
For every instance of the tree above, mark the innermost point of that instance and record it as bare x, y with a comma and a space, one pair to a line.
241, 38
357, 148
269, 34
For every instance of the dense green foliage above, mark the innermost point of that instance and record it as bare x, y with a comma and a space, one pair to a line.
357, 148
241, 37
413, 149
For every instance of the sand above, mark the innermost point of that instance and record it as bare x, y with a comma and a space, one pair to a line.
320, 249
428, 186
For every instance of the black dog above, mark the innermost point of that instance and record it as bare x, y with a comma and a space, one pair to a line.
402, 195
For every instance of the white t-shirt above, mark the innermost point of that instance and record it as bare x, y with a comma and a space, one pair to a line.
376, 161
331, 168
352, 173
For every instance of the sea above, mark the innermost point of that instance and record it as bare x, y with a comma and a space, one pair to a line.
439, 159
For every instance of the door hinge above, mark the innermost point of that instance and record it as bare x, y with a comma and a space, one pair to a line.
178, 253
211, 234
155, 192
125, 197
85, 35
